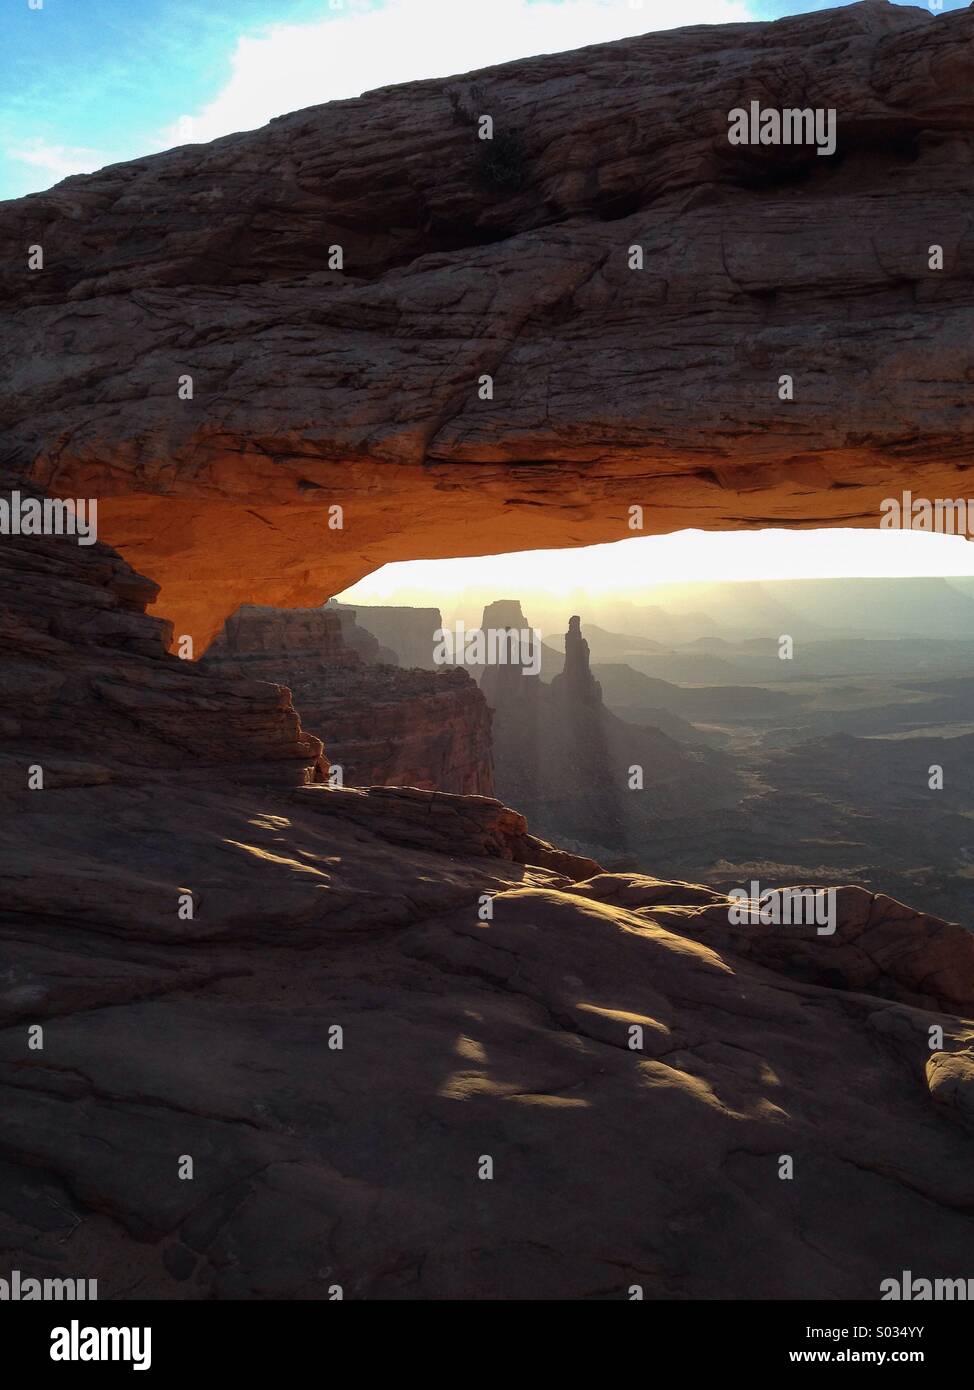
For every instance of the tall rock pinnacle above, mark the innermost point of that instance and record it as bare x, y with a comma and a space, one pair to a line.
577, 681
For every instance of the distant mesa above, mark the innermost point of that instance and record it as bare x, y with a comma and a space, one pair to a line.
404, 632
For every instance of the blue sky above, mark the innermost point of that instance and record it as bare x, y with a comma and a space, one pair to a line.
84, 83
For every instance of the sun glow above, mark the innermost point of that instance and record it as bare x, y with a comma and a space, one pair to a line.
637, 566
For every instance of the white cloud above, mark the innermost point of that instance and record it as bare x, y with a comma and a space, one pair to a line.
364, 44
56, 161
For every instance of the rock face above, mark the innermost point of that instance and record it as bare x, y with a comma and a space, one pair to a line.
90, 696
383, 726
366, 644
373, 988
576, 685
316, 387
408, 633
873, 947
259, 634
335, 1000
584, 776
508, 685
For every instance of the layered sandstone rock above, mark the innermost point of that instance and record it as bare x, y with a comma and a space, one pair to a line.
484, 1000
381, 725
874, 945
90, 695
408, 633
257, 635
365, 643
315, 388
513, 1036
389, 727
470, 825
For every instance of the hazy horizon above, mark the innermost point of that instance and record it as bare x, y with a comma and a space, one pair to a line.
646, 570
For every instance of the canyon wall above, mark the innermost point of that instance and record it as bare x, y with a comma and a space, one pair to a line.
91, 696
365, 643
316, 388
208, 1032
409, 633
382, 725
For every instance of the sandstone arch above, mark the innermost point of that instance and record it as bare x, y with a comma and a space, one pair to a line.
165, 781
612, 387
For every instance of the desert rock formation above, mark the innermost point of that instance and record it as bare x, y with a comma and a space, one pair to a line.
323, 916
575, 684
91, 696
409, 633
197, 922
316, 387
382, 725
875, 949
585, 777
